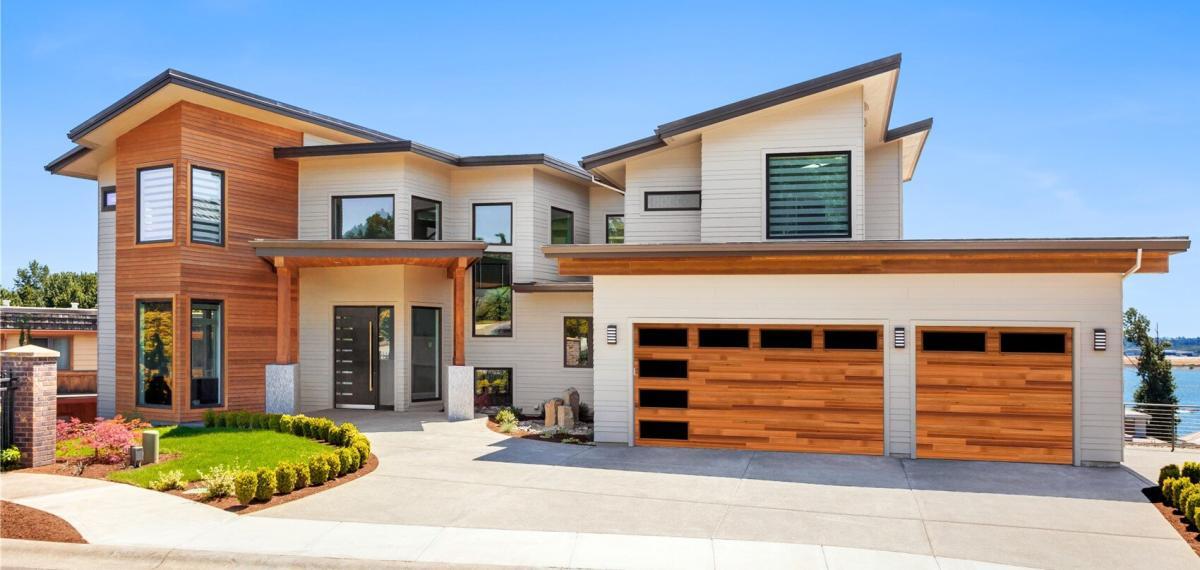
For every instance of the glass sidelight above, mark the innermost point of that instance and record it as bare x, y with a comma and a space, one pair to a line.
426, 354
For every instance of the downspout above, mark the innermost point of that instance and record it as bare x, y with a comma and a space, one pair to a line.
1136, 265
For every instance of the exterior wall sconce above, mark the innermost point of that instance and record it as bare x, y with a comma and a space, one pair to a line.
898, 337
611, 331
1099, 339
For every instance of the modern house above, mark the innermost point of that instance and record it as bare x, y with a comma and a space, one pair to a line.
737, 279
72, 333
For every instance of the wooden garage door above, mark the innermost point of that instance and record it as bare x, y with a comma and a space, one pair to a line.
775, 388
996, 394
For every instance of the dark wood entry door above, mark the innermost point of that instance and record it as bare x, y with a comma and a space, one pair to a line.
355, 358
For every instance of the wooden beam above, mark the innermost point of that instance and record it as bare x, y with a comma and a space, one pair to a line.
460, 313
283, 312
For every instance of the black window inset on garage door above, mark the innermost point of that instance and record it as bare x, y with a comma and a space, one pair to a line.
724, 338
954, 341
851, 340
786, 338
1046, 343
662, 337
664, 430
663, 398
663, 368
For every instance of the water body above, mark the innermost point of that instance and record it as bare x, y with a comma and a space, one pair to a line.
1187, 384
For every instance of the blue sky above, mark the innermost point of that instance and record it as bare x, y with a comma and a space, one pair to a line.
1049, 120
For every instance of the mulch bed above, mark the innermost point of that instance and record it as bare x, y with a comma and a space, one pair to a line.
92, 471
27, 523
1186, 530
231, 504
555, 437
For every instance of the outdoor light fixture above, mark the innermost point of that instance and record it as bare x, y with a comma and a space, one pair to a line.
1099, 339
898, 337
612, 334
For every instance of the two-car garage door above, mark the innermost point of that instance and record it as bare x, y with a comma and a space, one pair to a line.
1000, 394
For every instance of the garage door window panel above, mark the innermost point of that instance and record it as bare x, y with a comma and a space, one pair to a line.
954, 341
724, 338
664, 430
1033, 343
663, 398
649, 368
663, 337
786, 338
836, 339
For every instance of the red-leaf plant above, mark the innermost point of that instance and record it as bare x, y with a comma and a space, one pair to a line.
108, 439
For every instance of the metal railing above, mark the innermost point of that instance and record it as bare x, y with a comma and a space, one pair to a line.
7, 387
1168, 425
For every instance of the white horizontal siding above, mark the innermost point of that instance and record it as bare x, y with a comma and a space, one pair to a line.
322, 179
1084, 301
672, 170
603, 203
106, 300
554, 192
884, 200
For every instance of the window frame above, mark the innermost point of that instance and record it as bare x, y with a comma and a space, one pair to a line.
591, 335
105, 191
512, 382
646, 201
607, 217
335, 218
70, 348
137, 214
139, 380
412, 216
571, 227
849, 194
511, 293
192, 208
221, 375
474, 226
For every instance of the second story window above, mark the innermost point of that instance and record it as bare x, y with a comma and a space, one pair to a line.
614, 229
808, 195
208, 206
493, 295
364, 217
426, 219
108, 199
493, 223
155, 204
562, 226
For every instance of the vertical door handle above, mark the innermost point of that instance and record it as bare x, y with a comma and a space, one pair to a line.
370, 357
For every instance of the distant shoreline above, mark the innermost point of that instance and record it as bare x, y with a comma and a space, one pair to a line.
1186, 361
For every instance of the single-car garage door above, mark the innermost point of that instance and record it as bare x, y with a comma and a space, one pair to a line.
995, 394
775, 388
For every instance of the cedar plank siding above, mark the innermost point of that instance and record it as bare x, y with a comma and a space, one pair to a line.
260, 202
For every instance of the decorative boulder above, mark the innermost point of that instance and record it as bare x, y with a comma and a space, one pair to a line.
552, 407
566, 417
570, 397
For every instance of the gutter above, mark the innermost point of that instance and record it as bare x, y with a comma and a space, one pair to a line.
1137, 265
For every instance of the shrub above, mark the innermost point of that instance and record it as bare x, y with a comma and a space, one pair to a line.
1191, 470
265, 488
219, 419
218, 481
362, 439
363, 451
1181, 485
318, 470
10, 457
169, 481
261, 421
245, 420
285, 424
335, 435
273, 422
335, 464
324, 426
1190, 503
349, 459
1193, 509
1185, 496
301, 470
1167, 472
1168, 488
298, 425
109, 439
245, 485
585, 412
210, 418
506, 416
349, 433
285, 478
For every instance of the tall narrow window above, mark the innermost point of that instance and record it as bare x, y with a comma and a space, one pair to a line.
156, 204
426, 219
155, 351
206, 352
62, 344
493, 223
493, 295
364, 217
562, 226
614, 229
577, 342
808, 195
208, 206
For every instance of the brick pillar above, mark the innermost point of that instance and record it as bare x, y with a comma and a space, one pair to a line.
34, 372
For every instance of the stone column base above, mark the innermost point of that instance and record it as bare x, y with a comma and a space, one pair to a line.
460, 393
282, 388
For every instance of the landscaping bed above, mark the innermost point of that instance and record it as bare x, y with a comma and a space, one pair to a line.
1177, 498
28, 523
535, 429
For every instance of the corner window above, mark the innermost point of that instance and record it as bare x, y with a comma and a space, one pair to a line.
493, 295
208, 206
61, 344
493, 387
206, 352
808, 195
614, 229
426, 219
577, 342
364, 217
562, 226
155, 350
156, 204
672, 201
492, 223
108, 199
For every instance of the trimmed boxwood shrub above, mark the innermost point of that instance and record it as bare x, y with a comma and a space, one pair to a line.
1167, 472
335, 465
285, 424
266, 484
1168, 489
298, 424
1181, 485
335, 435
363, 451
1190, 490
273, 422
244, 486
210, 418
245, 420
301, 470
349, 459
1191, 471
219, 420
285, 478
318, 470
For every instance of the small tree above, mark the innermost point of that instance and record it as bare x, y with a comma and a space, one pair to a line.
1158, 383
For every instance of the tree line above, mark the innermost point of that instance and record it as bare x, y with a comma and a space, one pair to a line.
36, 286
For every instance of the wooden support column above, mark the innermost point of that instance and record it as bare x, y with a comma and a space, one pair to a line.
459, 315
283, 312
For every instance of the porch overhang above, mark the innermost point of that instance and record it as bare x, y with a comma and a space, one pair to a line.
294, 253
1070, 255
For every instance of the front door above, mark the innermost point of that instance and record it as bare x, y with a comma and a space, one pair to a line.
426, 353
356, 357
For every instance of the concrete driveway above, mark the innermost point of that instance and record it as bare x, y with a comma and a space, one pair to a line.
462, 475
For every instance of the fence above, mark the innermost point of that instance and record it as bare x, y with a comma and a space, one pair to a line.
1168, 425
7, 387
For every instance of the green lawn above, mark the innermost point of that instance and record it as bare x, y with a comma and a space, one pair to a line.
201, 448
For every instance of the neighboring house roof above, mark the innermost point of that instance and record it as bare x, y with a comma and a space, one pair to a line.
435, 154
47, 319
